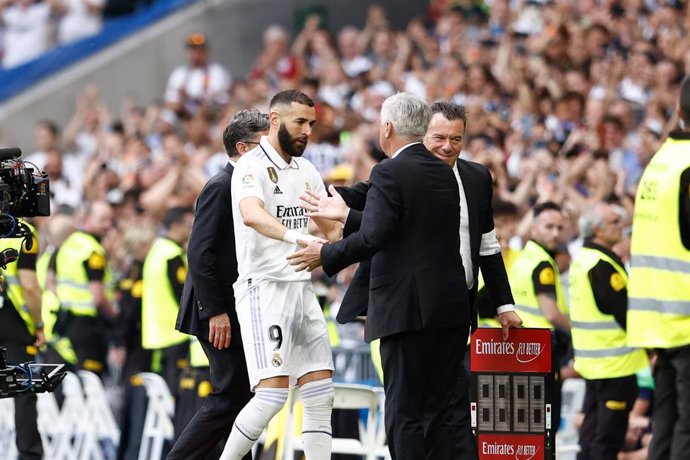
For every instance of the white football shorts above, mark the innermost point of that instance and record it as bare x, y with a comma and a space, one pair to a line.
284, 332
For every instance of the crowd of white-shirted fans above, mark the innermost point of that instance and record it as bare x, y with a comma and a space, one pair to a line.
567, 102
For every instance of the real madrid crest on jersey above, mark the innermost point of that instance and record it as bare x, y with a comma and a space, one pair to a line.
306, 184
272, 174
277, 361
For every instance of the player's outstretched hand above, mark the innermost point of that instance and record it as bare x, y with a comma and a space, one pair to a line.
309, 257
326, 207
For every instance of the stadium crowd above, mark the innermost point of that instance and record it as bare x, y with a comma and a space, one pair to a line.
567, 102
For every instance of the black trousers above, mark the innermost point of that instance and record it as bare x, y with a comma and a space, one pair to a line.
671, 422
208, 431
608, 403
15, 337
88, 338
421, 373
172, 360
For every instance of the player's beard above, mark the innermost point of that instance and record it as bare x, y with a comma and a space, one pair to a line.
289, 144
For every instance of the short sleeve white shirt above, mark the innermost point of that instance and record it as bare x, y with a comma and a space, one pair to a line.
261, 173
208, 84
26, 33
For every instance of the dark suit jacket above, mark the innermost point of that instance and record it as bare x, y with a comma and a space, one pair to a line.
477, 184
410, 229
212, 261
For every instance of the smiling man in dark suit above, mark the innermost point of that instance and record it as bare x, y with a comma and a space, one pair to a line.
207, 307
418, 301
479, 246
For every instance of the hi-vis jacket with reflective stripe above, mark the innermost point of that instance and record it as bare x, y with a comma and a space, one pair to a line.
659, 293
599, 341
72, 280
15, 291
521, 283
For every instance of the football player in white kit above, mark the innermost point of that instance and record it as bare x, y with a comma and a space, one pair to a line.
284, 332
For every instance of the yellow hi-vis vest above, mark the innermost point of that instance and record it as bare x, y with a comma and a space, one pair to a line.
159, 304
509, 257
659, 293
598, 340
15, 291
521, 284
72, 280
49, 301
197, 357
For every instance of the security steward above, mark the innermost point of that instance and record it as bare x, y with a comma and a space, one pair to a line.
21, 333
164, 272
84, 283
536, 285
659, 295
137, 242
598, 306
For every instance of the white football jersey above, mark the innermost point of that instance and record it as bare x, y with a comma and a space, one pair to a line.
263, 174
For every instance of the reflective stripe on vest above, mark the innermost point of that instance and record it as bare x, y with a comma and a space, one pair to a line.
73, 289
522, 285
159, 305
49, 302
659, 293
15, 291
599, 342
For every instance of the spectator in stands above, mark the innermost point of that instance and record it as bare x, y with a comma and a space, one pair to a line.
353, 60
27, 29
275, 61
200, 85
80, 19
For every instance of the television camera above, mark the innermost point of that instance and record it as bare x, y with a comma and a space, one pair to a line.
24, 192
28, 377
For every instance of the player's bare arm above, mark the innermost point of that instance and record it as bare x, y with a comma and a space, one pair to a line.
254, 215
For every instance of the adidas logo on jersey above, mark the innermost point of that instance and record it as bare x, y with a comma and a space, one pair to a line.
277, 191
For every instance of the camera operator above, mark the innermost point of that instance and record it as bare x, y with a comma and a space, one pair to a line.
21, 332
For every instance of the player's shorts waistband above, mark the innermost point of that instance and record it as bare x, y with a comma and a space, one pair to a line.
242, 288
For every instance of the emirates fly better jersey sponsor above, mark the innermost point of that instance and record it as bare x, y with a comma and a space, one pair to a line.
263, 174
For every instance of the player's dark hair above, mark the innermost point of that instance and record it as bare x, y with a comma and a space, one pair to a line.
289, 96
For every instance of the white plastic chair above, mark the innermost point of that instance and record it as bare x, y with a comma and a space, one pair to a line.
158, 424
102, 427
347, 396
48, 422
69, 432
382, 450
7, 438
572, 399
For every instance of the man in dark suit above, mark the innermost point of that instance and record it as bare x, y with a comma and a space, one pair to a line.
479, 246
418, 303
207, 307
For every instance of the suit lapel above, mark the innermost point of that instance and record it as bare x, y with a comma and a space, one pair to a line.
469, 185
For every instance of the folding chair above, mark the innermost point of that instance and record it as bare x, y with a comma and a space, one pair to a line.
102, 432
7, 438
382, 450
69, 432
158, 424
48, 422
572, 398
347, 396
